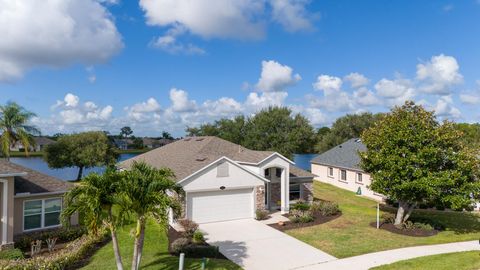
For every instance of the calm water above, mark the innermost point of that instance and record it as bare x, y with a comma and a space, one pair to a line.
303, 160
38, 164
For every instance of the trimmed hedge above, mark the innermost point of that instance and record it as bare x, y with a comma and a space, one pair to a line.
62, 259
201, 251
63, 234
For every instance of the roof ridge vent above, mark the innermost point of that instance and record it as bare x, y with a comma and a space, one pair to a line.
201, 158
187, 139
199, 139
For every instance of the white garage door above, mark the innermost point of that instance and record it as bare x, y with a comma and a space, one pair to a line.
220, 205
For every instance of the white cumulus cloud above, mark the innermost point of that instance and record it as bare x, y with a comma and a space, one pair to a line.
356, 79
292, 14
54, 34
439, 75
276, 77
180, 101
328, 84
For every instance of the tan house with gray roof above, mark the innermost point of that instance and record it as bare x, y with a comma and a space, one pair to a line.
29, 201
225, 181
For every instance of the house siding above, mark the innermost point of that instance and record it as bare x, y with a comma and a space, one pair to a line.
321, 172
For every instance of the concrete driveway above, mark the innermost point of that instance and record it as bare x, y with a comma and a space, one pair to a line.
254, 245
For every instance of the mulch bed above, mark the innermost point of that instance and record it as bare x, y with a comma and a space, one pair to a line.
173, 235
319, 219
409, 232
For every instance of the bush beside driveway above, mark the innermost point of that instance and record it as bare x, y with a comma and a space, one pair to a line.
351, 234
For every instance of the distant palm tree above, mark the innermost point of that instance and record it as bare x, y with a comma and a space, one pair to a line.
94, 197
148, 192
14, 127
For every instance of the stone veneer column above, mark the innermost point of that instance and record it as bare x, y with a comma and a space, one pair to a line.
259, 197
307, 194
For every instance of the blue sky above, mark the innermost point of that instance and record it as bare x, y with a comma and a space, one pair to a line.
163, 64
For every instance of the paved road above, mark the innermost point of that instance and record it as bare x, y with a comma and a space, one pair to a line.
369, 260
254, 245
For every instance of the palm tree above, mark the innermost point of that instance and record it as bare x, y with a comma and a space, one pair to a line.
94, 197
148, 192
14, 127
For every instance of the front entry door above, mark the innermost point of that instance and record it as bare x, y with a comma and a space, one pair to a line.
267, 196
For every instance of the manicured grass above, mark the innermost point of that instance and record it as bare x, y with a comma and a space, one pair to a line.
22, 154
155, 254
469, 260
351, 234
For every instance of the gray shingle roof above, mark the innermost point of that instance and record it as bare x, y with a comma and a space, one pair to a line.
34, 181
186, 156
344, 155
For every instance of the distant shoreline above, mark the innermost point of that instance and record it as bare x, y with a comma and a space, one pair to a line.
40, 153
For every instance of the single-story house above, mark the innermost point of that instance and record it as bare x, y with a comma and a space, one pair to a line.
152, 143
39, 144
29, 201
340, 167
122, 144
225, 181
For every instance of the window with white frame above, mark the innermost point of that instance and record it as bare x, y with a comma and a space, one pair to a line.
359, 177
330, 171
343, 175
294, 192
39, 214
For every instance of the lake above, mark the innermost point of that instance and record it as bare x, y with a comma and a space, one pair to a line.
38, 164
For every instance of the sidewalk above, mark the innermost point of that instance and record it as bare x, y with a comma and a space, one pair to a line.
370, 260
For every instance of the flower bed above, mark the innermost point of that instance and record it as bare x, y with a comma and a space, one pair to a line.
60, 259
304, 214
191, 242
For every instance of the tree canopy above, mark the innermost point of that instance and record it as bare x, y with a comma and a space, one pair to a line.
125, 132
413, 159
82, 150
274, 129
344, 128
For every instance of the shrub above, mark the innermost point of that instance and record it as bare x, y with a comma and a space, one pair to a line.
63, 259
11, 254
325, 208
189, 226
63, 234
198, 237
423, 226
179, 244
200, 251
297, 216
261, 214
301, 206
388, 218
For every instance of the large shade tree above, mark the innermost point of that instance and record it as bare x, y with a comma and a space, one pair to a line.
274, 129
413, 158
95, 197
14, 127
82, 150
148, 192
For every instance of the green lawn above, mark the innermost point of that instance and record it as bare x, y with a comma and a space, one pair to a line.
469, 260
351, 234
155, 254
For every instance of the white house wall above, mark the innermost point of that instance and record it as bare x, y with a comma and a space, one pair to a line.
321, 172
208, 180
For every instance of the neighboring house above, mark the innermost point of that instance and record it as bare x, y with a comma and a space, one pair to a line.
29, 201
225, 181
122, 144
39, 144
339, 166
155, 143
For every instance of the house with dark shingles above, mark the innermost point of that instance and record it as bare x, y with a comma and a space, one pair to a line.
225, 181
340, 166
29, 201
39, 144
